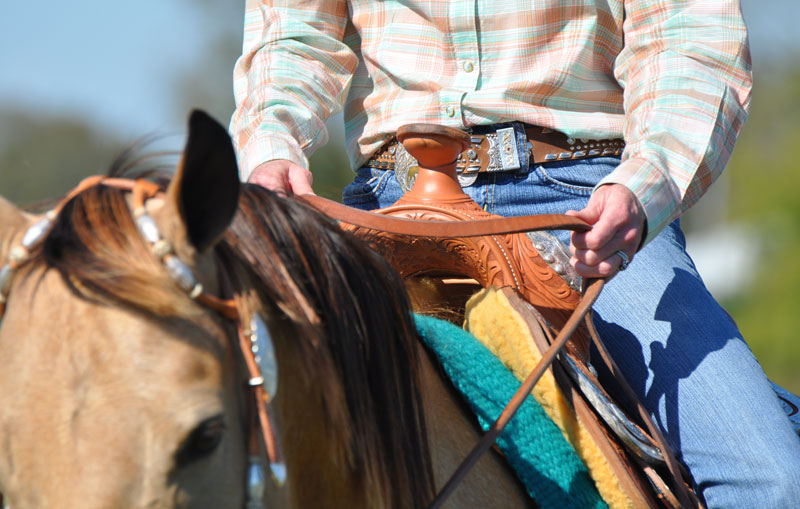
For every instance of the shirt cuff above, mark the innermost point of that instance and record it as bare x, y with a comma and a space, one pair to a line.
264, 147
655, 191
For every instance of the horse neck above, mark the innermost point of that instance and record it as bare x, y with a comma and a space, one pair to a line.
352, 363
452, 433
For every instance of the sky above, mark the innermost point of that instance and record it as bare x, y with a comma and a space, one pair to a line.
115, 63
112, 63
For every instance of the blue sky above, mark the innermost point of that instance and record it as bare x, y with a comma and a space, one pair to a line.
115, 63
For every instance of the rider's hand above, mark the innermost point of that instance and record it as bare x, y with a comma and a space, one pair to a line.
283, 176
618, 223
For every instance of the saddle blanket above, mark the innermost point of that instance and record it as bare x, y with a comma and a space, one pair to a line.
533, 445
549, 450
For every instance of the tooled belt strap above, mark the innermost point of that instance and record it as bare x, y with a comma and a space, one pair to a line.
500, 151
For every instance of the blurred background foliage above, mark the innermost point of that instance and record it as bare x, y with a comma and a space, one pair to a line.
764, 194
43, 154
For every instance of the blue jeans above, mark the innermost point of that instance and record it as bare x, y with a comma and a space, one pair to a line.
680, 351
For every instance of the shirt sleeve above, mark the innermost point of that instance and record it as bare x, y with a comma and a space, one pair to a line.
293, 74
686, 74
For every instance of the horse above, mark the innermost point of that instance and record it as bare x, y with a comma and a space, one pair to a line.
123, 390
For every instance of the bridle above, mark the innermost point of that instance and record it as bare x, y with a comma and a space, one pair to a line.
254, 341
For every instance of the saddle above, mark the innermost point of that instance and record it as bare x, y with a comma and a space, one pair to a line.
446, 248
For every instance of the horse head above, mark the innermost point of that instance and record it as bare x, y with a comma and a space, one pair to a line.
125, 386
114, 381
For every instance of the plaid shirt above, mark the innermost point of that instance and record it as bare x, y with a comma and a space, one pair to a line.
672, 77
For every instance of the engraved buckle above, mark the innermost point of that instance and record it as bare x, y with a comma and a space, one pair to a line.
509, 151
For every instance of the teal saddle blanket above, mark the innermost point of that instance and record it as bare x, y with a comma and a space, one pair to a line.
544, 461
533, 445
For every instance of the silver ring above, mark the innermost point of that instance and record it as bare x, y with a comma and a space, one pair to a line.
625, 260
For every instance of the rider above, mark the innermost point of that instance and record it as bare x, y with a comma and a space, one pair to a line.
671, 78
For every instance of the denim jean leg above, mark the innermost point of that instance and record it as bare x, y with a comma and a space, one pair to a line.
686, 359
678, 348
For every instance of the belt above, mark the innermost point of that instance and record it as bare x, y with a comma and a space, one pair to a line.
500, 151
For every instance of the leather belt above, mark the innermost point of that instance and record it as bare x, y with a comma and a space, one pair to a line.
500, 151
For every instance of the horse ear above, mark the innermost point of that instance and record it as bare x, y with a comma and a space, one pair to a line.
205, 189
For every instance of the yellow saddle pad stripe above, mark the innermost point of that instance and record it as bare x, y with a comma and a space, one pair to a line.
491, 318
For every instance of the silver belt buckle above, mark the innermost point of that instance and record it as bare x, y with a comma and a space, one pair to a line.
509, 151
503, 154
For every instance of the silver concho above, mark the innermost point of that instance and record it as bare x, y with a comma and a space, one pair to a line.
467, 179
555, 253
405, 168
264, 354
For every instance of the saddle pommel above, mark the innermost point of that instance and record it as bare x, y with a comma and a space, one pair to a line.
436, 148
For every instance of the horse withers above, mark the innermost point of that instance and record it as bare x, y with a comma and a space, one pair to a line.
120, 390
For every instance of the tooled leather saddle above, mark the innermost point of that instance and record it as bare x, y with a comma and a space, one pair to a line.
445, 246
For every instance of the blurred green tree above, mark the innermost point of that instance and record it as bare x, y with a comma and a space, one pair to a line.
42, 158
764, 175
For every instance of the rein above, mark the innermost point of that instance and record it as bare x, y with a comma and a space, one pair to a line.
442, 229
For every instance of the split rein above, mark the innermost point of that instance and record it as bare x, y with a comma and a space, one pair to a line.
253, 336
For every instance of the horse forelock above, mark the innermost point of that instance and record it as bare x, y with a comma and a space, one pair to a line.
100, 253
98, 249
360, 335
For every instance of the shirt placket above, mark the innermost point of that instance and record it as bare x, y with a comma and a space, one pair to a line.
465, 59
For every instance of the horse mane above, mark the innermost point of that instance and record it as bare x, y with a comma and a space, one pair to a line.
357, 331
358, 328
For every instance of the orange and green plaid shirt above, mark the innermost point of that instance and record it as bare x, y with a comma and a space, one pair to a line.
672, 77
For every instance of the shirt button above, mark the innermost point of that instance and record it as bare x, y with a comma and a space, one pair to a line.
468, 67
450, 111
